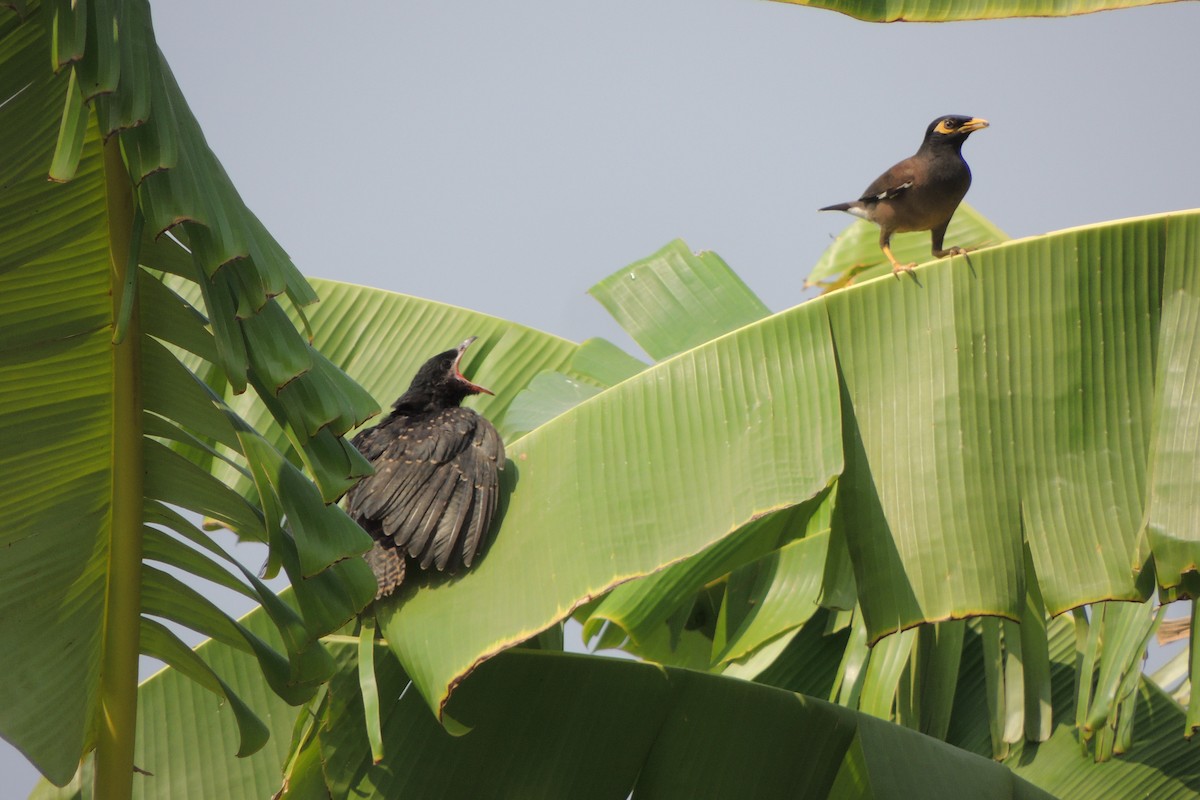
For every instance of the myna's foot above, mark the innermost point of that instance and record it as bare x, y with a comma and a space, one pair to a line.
897, 267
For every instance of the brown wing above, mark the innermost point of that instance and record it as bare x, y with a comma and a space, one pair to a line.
891, 183
435, 487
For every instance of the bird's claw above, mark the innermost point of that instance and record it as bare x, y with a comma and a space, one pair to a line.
897, 268
956, 251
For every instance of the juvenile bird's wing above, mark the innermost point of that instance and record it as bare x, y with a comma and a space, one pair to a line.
890, 184
435, 485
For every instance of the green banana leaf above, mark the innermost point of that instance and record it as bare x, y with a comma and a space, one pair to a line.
381, 338
605, 492
1135, 251
1172, 513
103, 433
1161, 763
658, 732
1008, 403
184, 731
855, 257
668, 302
675, 300
524, 711
1131, 252
782, 596
968, 427
949, 10
878, 686
1064, 448
639, 607
664, 733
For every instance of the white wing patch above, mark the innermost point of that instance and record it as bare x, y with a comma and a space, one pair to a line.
890, 193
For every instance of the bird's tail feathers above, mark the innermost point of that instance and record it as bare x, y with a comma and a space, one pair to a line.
387, 563
855, 209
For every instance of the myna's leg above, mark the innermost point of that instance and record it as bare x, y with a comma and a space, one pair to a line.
937, 235
885, 244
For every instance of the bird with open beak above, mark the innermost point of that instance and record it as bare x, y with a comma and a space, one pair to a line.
436, 482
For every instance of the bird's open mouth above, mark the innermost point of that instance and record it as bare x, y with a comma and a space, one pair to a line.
973, 125
462, 348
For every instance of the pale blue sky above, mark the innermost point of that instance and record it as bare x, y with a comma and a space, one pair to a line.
506, 156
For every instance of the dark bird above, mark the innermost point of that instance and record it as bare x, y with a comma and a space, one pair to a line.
922, 191
436, 481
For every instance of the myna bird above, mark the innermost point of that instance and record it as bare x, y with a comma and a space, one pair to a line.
922, 191
436, 482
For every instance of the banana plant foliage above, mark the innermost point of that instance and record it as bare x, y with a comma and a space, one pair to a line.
541, 724
997, 432
855, 257
949, 10
762, 602
1009, 438
105, 433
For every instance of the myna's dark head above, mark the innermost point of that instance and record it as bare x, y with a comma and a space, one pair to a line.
439, 383
952, 130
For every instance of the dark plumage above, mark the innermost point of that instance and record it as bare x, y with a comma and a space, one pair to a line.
436, 483
922, 192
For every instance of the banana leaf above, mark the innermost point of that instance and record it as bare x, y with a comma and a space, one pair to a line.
948, 10
100, 417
